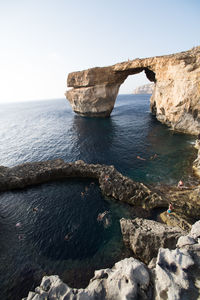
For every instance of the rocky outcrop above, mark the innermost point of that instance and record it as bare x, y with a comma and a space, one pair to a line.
128, 279
144, 89
172, 275
111, 182
175, 100
145, 237
186, 203
171, 278
177, 272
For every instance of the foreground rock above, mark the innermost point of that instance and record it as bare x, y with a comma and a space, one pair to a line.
177, 272
128, 279
145, 237
174, 275
175, 100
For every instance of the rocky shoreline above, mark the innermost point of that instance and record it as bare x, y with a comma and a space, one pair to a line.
112, 184
171, 274
146, 239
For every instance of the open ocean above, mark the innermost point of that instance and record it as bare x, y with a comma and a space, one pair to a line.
42, 130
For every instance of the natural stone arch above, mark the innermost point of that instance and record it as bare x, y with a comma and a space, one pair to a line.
175, 100
95, 90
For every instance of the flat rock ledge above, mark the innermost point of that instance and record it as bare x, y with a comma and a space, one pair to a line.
111, 182
145, 237
172, 275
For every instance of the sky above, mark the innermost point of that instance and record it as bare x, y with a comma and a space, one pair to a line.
41, 41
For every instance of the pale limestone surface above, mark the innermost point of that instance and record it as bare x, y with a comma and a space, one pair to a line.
171, 274
174, 275
175, 99
195, 231
128, 280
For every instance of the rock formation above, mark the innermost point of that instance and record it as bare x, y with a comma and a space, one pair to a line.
112, 184
175, 100
177, 272
145, 237
128, 279
144, 89
173, 274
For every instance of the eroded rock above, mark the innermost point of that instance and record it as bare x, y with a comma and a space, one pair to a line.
128, 279
172, 280
111, 182
145, 237
175, 99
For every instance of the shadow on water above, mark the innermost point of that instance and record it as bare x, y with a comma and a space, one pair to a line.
96, 149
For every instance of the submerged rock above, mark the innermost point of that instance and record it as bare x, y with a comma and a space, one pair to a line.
128, 279
145, 237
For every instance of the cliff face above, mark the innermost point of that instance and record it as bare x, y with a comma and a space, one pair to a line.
175, 100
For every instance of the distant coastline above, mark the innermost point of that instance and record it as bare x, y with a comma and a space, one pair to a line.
144, 89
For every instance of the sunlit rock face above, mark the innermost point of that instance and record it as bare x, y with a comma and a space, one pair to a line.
175, 100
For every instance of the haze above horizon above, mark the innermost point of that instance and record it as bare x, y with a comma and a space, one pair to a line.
42, 41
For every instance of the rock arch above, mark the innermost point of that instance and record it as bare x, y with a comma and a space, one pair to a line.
175, 100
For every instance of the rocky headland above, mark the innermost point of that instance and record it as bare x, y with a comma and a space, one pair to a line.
175, 99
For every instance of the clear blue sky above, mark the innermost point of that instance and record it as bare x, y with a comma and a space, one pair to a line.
41, 41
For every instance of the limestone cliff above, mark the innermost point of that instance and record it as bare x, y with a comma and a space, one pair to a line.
175, 100
144, 89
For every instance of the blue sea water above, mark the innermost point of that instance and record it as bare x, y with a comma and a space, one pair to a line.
42, 130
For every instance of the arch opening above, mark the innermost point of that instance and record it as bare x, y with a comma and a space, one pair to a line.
136, 80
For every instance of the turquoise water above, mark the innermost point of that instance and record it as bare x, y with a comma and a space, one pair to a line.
49, 129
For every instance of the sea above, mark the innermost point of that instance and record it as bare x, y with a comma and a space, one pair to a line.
35, 221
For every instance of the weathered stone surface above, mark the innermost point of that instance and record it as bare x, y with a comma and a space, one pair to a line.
195, 231
174, 274
186, 205
145, 237
176, 220
175, 100
185, 240
128, 279
172, 281
112, 183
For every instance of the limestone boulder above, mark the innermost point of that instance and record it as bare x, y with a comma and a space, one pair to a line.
195, 231
171, 275
145, 237
184, 241
128, 279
